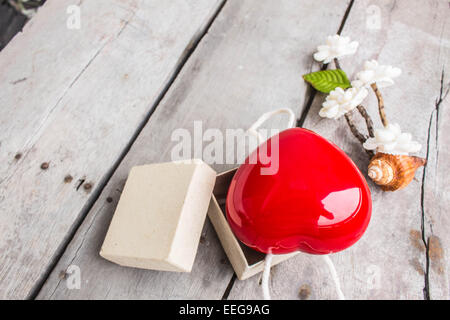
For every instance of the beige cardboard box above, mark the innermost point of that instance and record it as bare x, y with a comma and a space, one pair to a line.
246, 262
160, 216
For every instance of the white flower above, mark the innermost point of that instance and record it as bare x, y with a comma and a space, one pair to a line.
339, 102
375, 73
390, 139
335, 47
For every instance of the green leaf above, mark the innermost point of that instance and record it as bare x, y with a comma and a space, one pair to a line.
327, 80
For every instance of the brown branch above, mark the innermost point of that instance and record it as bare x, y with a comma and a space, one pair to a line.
380, 104
369, 122
354, 130
337, 64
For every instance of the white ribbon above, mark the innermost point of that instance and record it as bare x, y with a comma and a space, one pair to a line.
266, 116
268, 260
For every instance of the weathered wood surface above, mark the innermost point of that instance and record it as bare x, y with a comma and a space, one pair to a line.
250, 62
436, 192
74, 99
390, 261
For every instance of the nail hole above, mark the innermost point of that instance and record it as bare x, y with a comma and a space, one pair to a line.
87, 186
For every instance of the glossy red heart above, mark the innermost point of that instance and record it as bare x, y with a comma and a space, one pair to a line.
317, 201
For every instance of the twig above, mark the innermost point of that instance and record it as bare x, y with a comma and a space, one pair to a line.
369, 122
337, 64
380, 104
354, 130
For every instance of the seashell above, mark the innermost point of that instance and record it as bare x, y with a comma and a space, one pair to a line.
393, 172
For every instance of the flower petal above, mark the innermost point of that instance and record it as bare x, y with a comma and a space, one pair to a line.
370, 144
391, 140
320, 55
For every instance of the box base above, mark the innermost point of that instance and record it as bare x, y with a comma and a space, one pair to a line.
149, 264
246, 262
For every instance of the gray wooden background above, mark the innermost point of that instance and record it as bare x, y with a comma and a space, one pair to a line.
79, 108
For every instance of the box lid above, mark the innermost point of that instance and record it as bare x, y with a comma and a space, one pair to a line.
160, 215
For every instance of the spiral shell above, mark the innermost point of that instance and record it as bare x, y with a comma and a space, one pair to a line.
393, 172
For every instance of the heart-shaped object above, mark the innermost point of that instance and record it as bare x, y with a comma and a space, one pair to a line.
315, 199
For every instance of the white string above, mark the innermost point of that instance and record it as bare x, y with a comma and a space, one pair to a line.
268, 260
254, 131
334, 275
266, 116
265, 276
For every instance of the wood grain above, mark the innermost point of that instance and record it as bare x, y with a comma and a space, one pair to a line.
250, 62
72, 100
436, 195
390, 261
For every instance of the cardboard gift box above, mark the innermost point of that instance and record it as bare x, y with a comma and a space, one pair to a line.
160, 215
246, 262
159, 218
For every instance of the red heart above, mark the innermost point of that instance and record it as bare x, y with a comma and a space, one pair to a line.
317, 202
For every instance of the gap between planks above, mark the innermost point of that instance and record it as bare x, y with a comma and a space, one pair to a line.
300, 120
177, 99
190, 48
443, 92
399, 24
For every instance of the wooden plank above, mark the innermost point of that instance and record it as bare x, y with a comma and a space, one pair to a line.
389, 262
74, 99
436, 201
250, 62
